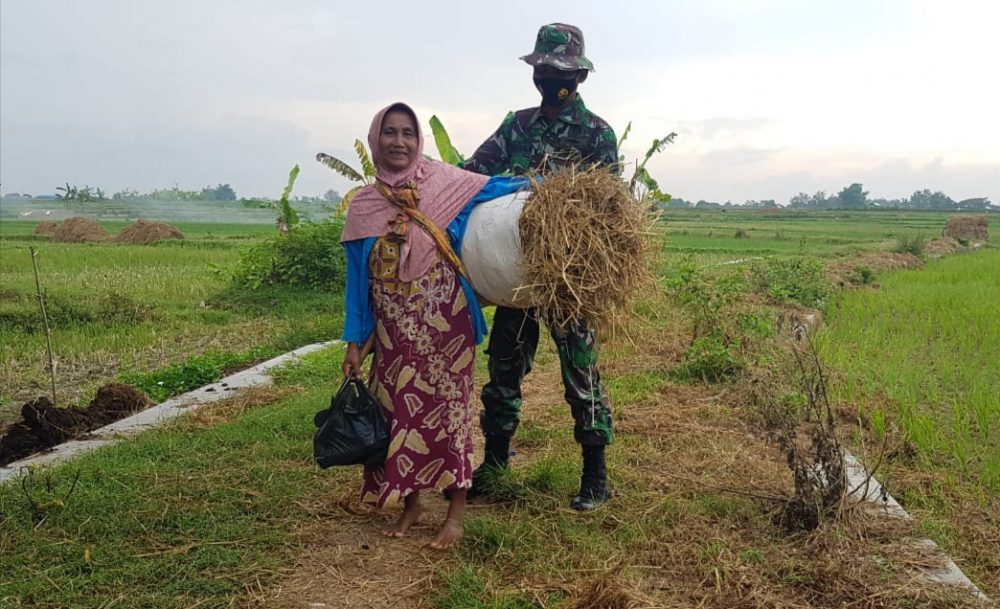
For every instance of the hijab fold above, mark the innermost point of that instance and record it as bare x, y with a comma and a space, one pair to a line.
443, 191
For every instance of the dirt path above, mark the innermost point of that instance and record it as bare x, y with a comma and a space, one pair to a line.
680, 532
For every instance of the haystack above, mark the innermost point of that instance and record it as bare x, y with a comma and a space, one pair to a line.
147, 231
583, 247
46, 229
968, 229
80, 230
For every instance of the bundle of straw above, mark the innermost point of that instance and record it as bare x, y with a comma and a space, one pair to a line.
583, 247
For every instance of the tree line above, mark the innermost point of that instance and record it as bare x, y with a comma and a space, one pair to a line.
849, 197
221, 192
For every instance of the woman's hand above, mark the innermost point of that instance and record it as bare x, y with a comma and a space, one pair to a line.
352, 360
355, 356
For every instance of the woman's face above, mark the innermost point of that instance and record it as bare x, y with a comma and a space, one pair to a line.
397, 142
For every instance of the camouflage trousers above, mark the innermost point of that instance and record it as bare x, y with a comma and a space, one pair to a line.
511, 350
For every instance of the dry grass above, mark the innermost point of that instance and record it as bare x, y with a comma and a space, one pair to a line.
583, 247
968, 228
691, 523
147, 231
80, 230
231, 408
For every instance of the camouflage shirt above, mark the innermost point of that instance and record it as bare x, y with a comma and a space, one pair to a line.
529, 143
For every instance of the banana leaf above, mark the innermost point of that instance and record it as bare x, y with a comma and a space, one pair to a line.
445, 148
340, 167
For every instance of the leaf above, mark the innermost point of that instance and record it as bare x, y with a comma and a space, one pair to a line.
287, 213
658, 146
445, 148
647, 180
366, 163
340, 167
628, 128
346, 201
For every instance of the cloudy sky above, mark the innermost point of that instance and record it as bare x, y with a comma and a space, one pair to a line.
769, 97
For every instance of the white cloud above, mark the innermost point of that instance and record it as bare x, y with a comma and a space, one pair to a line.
762, 93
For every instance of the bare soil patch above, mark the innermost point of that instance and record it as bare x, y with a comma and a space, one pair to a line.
80, 230
43, 425
147, 231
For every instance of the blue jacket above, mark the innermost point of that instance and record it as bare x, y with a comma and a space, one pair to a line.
359, 316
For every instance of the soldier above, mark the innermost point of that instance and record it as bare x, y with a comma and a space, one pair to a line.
559, 133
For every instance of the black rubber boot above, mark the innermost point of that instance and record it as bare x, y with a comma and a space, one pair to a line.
593, 482
497, 457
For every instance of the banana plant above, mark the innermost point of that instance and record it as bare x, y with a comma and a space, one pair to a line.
366, 176
642, 185
287, 217
449, 154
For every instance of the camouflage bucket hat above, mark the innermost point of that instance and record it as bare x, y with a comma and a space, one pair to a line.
560, 46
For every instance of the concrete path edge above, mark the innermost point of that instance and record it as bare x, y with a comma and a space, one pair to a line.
257, 376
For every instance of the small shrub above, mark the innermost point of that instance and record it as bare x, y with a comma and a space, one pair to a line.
910, 244
862, 275
708, 360
741, 233
310, 256
756, 325
798, 279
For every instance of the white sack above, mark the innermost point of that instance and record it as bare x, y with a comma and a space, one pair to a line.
491, 250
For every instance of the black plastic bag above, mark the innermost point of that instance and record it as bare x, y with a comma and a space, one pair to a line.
353, 430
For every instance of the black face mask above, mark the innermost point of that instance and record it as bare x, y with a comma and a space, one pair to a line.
555, 91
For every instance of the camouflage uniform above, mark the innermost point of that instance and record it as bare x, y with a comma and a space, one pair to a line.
529, 143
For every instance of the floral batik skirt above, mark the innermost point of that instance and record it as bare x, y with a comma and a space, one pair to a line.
422, 376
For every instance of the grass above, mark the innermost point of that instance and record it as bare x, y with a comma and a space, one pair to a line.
920, 355
196, 513
228, 509
132, 309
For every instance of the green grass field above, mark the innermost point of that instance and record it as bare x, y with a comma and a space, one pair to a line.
921, 354
117, 309
225, 508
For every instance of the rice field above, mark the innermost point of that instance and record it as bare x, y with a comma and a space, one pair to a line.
225, 507
921, 354
116, 309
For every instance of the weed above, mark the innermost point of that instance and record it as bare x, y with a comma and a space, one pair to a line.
195, 372
800, 280
861, 275
751, 556
310, 257
910, 244
708, 360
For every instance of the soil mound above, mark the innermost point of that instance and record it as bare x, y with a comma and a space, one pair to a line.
43, 425
967, 229
943, 246
147, 231
846, 271
80, 230
46, 229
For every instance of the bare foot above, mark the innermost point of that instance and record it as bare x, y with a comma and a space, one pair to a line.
449, 535
411, 514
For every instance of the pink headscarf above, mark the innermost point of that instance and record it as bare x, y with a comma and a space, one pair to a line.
444, 192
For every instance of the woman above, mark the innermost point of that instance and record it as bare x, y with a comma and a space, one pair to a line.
408, 300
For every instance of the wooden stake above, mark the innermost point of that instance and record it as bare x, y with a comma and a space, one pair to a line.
45, 318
